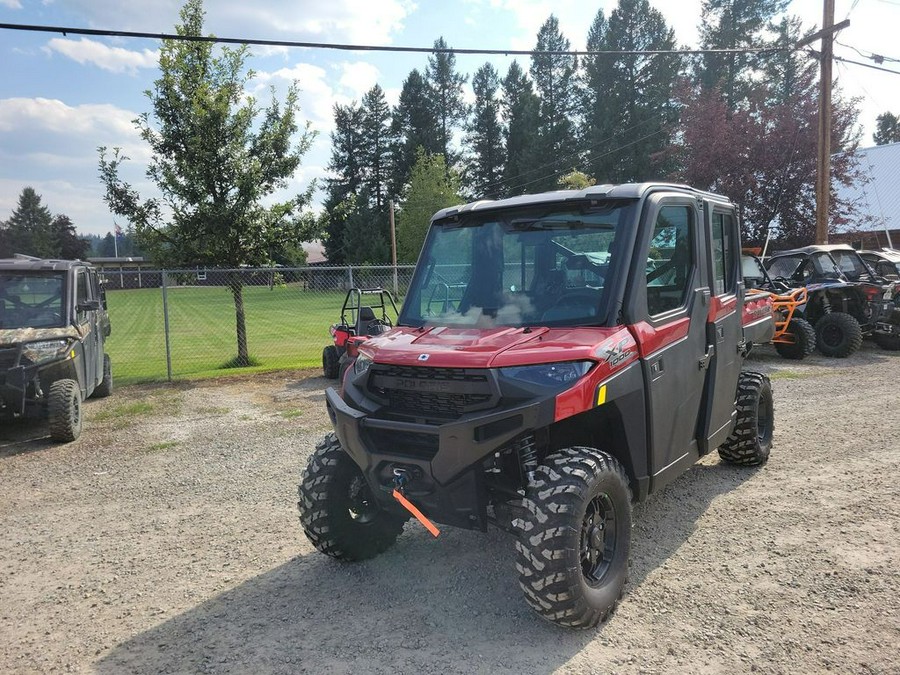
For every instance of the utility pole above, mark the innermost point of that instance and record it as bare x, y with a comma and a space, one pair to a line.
393, 246
823, 175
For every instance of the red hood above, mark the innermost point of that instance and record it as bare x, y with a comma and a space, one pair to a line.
488, 348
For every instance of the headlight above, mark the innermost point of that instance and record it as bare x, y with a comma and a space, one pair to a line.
361, 364
549, 374
45, 350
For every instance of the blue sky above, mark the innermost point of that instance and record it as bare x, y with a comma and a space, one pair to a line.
61, 97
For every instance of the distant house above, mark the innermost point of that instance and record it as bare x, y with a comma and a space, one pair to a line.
315, 252
878, 199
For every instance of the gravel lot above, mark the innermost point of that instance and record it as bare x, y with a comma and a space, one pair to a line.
166, 540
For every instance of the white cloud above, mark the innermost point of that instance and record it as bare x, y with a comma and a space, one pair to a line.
358, 77
18, 115
12, 4
316, 98
113, 59
356, 21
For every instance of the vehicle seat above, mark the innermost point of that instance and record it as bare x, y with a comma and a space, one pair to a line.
368, 324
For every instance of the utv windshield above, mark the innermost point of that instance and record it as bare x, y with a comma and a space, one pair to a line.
31, 300
851, 264
539, 266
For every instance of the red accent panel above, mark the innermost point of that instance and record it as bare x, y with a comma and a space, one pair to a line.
616, 353
719, 308
650, 339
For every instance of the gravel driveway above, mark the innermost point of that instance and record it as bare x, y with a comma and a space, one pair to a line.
166, 540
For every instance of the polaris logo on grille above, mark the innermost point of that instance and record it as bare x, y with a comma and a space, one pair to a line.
418, 385
423, 357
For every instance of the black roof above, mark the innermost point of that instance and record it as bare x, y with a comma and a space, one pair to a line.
23, 263
624, 191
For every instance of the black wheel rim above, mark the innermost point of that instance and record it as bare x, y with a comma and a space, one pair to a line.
832, 335
360, 503
598, 539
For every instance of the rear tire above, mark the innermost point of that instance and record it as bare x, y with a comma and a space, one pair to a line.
838, 335
574, 536
105, 388
889, 342
64, 410
804, 343
338, 513
750, 441
330, 360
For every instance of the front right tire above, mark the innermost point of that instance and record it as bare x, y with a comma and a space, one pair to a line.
574, 537
338, 512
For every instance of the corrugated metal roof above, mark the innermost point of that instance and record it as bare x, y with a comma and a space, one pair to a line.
878, 198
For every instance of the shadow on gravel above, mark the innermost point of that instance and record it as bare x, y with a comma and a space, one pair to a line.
447, 605
19, 437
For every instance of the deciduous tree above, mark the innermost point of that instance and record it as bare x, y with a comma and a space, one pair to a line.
215, 160
432, 186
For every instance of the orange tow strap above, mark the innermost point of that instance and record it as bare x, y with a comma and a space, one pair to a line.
409, 506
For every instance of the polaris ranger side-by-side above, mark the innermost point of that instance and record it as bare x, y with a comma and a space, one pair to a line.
53, 328
591, 355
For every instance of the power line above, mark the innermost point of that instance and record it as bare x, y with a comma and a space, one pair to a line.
867, 65
872, 56
64, 30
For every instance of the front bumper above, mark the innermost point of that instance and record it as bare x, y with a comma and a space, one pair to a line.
443, 462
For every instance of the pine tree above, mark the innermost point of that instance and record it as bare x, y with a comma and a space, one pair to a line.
555, 82
414, 127
29, 229
521, 112
887, 129
347, 151
484, 137
377, 145
445, 88
631, 108
734, 24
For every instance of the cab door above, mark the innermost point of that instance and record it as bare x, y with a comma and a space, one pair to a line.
667, 310
86, 318
724, 331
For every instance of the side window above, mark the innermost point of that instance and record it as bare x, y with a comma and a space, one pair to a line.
670, 260
723, 253
82, 293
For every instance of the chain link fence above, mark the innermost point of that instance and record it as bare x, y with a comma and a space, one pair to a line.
171, 324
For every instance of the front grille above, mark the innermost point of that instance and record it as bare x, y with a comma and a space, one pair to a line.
8, 357
431, 392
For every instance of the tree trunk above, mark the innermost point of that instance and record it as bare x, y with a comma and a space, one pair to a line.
235, 283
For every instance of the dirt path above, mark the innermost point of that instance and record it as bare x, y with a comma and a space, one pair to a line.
166, 540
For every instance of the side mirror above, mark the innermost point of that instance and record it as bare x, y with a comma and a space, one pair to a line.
88, 306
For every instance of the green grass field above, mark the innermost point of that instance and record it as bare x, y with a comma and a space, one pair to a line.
287, 327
